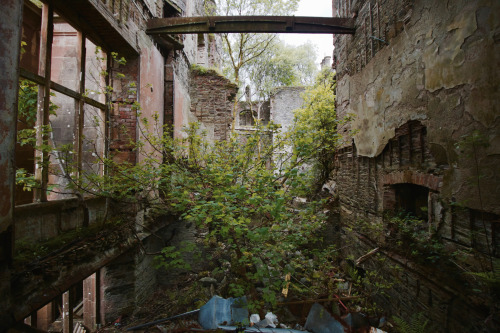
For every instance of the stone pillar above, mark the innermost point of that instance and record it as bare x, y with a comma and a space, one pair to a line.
10, 30
90, 302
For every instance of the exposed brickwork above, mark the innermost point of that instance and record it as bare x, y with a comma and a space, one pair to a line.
377, 23
123, 113
365, 189
418, 88
417, 178
212, 101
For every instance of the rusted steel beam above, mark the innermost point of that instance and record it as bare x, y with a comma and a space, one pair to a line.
246, 24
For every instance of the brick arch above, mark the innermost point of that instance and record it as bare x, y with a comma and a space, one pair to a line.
430, 181
390, 181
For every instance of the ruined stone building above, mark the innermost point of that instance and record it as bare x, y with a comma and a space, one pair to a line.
421, 78
72, 51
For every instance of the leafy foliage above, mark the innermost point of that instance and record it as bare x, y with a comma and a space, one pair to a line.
418, 324
282, 65
243, 48
236, 192
412, 235
231, 190
171, 257
317, 128
490, 278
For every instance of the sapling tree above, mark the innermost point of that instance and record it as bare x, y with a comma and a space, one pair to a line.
235, 191
317, 128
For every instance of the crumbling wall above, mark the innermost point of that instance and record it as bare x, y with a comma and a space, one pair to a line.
431, 71
419, 78
247, 113
212, 97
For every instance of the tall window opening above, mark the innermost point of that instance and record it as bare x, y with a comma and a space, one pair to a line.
62, 106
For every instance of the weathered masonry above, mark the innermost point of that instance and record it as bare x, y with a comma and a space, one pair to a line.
64, 55
421, 78
86, 73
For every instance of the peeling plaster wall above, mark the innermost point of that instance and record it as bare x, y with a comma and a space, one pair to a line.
425, 94
440, 67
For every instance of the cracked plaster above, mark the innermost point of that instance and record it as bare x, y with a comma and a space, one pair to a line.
443, 70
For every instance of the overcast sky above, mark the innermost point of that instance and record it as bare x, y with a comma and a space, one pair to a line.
323, 42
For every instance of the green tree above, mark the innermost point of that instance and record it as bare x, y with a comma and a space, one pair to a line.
232, 191
238, 193
282, 65
235, 192
242, 48
317, 128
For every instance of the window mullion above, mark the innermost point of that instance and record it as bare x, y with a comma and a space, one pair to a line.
42, 123
80, 118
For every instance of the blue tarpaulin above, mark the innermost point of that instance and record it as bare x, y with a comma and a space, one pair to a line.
220, 311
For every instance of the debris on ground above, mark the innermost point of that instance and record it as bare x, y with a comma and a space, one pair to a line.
231, 315
220, 311
319, 320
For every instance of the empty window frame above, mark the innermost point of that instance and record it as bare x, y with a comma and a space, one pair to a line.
68, 70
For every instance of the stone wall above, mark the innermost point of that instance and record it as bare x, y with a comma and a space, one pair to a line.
418, 76
212, 102
41, 221
283, 102
247, 113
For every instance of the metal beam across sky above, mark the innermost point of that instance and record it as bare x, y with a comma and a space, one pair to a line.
249, 24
